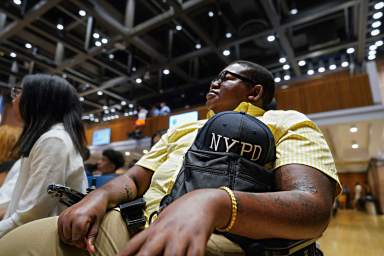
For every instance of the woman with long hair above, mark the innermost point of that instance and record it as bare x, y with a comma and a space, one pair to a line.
50, 147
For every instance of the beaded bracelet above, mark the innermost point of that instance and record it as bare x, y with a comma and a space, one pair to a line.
233, 212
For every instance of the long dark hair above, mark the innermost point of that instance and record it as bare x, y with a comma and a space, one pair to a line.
47, 100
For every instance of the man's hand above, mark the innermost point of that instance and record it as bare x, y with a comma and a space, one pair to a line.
78, 225
184, 227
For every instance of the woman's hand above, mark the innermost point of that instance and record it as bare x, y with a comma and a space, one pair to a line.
184, 227
78, 225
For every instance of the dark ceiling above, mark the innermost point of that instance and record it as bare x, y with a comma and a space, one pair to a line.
122, 49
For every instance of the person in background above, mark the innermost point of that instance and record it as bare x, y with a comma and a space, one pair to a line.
110, 161
7, 188
49, 146
306, 184
358, 193
164, 109
155, 111
8, 138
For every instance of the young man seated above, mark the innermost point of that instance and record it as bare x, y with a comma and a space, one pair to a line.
305, 182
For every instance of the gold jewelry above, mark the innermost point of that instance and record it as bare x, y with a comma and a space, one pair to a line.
233, 211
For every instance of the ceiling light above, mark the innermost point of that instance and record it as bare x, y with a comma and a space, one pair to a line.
28, 46
139, 80
377, 15
228, 35
379, 43
133, 69
277, 79
127, 153
371, 57
286, 67
310, 72
166, 71
302, 63
126, 114
271, 38
294, 11
345, 64
372, 47
17, 2
96, 120
60, 26
104, 40
130, 105
376, 24
98, 43
379, 5
178, 27
96, 35
13, 55
332, 67
375, 32
282, 60
105, 107
198, 46
355, 145
82, 13
350, 50
113, 110
287, 77
123, 103
81, 98
321, 69
99, 93
210, 14
373, 52
226, 52
111, 56
353, 129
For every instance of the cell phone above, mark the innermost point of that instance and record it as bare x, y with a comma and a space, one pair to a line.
66, 195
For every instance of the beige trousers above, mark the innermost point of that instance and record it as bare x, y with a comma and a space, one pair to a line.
39, 238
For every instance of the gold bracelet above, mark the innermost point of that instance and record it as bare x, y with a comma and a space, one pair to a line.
233, 212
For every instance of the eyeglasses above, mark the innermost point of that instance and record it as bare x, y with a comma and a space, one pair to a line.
16, 91
222, 77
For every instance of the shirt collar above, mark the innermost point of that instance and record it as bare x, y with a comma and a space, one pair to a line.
245, 107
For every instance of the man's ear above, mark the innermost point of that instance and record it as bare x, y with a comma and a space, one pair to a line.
255, 94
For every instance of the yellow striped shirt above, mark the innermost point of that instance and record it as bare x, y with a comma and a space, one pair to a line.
298, 141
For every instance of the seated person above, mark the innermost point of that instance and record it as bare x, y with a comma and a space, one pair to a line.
305, 181
8, 186
110, 161
8, 138
49, 147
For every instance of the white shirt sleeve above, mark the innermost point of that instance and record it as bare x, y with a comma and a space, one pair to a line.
47, 159
9, 184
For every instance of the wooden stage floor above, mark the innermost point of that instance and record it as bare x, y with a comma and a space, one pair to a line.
354, 233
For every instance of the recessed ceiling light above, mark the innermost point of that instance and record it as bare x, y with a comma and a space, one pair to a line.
271, 38
28, 46
130, 105
81, 98
226, 52
372, 47
105, 107
13, 55
371, 57
211, 14
293, 11
353, 129
198, 46
60, 26
228, 35
302, 63
355, 146
277, 79
99, 93
282, 60
379, 43
166, 71
104, 40
345, 64
111, 56
179, 27
123, 103
286, 67
375, 32
96, 35
377, 15
310, 72
17, 2
82, 13
133, 69
332, 66
321, 69
350, 50
376, 24
98, 43
139, 80
287, 77
379, 5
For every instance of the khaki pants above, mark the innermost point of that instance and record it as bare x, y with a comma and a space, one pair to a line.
39, 238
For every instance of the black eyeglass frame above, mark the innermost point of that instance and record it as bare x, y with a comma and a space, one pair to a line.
221, 77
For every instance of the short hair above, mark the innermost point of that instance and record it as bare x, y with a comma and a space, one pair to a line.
116, 157
262, 76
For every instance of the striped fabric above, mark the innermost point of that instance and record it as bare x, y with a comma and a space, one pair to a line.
298, 141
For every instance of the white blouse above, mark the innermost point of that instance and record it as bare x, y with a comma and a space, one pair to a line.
53, 159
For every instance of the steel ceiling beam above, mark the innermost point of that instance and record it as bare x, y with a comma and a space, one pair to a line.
362, 36
274, 19
35, 13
